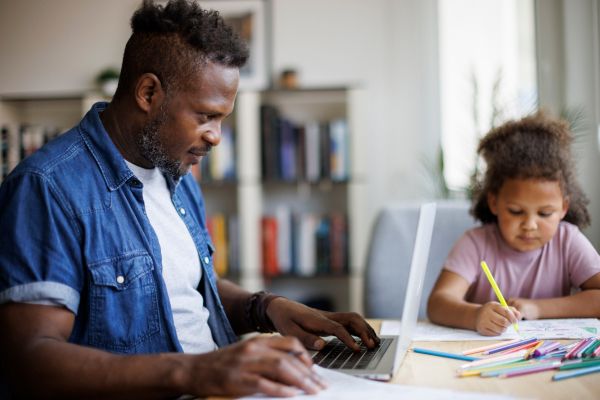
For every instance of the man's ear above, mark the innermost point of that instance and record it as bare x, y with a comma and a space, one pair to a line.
492, 201
149, 93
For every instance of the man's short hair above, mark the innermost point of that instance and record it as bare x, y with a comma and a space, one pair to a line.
174, 41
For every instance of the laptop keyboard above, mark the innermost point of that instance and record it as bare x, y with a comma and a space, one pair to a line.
336, 355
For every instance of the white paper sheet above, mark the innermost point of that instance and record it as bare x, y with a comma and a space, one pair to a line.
343, 386
541, 329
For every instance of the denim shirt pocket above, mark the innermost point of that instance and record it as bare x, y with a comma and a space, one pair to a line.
123, 302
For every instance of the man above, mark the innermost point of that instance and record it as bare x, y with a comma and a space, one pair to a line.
106, 279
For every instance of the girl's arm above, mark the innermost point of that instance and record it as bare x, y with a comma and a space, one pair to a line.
447, 306
580, 305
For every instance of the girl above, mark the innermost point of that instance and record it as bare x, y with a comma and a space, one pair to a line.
531, 207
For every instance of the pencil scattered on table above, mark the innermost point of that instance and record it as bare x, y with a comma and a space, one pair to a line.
520, 357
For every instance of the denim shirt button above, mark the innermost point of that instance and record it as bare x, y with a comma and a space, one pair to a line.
182, 211
206, 260
120, 279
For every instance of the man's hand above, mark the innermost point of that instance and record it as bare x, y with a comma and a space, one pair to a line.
493, 319
527, 308
275, 366
308, 324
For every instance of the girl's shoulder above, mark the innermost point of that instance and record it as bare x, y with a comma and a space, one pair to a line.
567, 233
485, 232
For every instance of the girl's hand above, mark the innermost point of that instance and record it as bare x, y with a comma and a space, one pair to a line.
493, 319
527, 308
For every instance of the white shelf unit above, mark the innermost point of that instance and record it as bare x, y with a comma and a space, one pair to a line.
256, 197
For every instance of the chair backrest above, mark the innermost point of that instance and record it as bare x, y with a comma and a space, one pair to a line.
390, 252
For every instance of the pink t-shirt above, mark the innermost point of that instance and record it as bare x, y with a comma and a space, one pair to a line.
566, 262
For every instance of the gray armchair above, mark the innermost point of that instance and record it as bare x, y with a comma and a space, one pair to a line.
390, 253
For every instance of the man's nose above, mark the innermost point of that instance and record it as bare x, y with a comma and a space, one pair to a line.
213, 134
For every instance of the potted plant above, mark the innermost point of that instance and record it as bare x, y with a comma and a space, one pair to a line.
107, 81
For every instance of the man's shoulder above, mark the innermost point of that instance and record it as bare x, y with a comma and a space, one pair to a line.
58, 155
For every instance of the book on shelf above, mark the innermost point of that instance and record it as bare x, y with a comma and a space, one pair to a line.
233, 243
224, 233
216, 225
304, 244
269, 138
338, 149
219, 164
269, 246
311, 150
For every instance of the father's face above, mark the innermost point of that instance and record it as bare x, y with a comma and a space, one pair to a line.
189, 124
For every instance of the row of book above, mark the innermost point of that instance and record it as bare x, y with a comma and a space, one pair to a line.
224, 232
219, 165
20, 141
304, 244
312, 151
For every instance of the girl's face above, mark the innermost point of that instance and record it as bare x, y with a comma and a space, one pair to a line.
528, 211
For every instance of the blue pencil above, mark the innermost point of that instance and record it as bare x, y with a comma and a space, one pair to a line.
444, 354
577, 372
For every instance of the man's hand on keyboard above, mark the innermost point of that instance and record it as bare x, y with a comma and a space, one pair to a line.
308, 325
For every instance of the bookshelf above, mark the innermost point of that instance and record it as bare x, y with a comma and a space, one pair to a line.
293, 197
29, 121
240, 198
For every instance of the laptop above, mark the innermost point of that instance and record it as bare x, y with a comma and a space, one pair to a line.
382, 362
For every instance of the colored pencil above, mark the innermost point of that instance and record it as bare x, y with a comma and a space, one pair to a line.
531, 370
521, 347
589, 350
479, 371
509, 346
489, 346
444, 354
505, 358
578, 372
496, 289
519, 367
581, 363
546, 348
571, 353
584, 346
596, 352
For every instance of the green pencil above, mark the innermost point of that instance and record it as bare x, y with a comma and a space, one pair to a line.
580, 364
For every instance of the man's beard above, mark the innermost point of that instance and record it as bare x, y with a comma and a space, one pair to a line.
152, 149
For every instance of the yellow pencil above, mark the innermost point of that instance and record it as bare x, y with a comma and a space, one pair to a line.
487, 273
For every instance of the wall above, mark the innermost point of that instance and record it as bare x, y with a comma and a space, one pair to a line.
568, 46
387, 47
59, 46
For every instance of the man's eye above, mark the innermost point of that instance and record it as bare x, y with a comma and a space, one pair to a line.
545, 214
515, 212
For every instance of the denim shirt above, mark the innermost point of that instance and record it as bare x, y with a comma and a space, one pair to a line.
74, 232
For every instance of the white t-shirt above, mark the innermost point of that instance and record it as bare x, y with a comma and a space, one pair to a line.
180, 263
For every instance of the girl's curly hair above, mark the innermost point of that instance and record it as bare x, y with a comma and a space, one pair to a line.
535, 147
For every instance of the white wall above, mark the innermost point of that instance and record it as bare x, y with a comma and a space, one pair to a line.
59, 46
